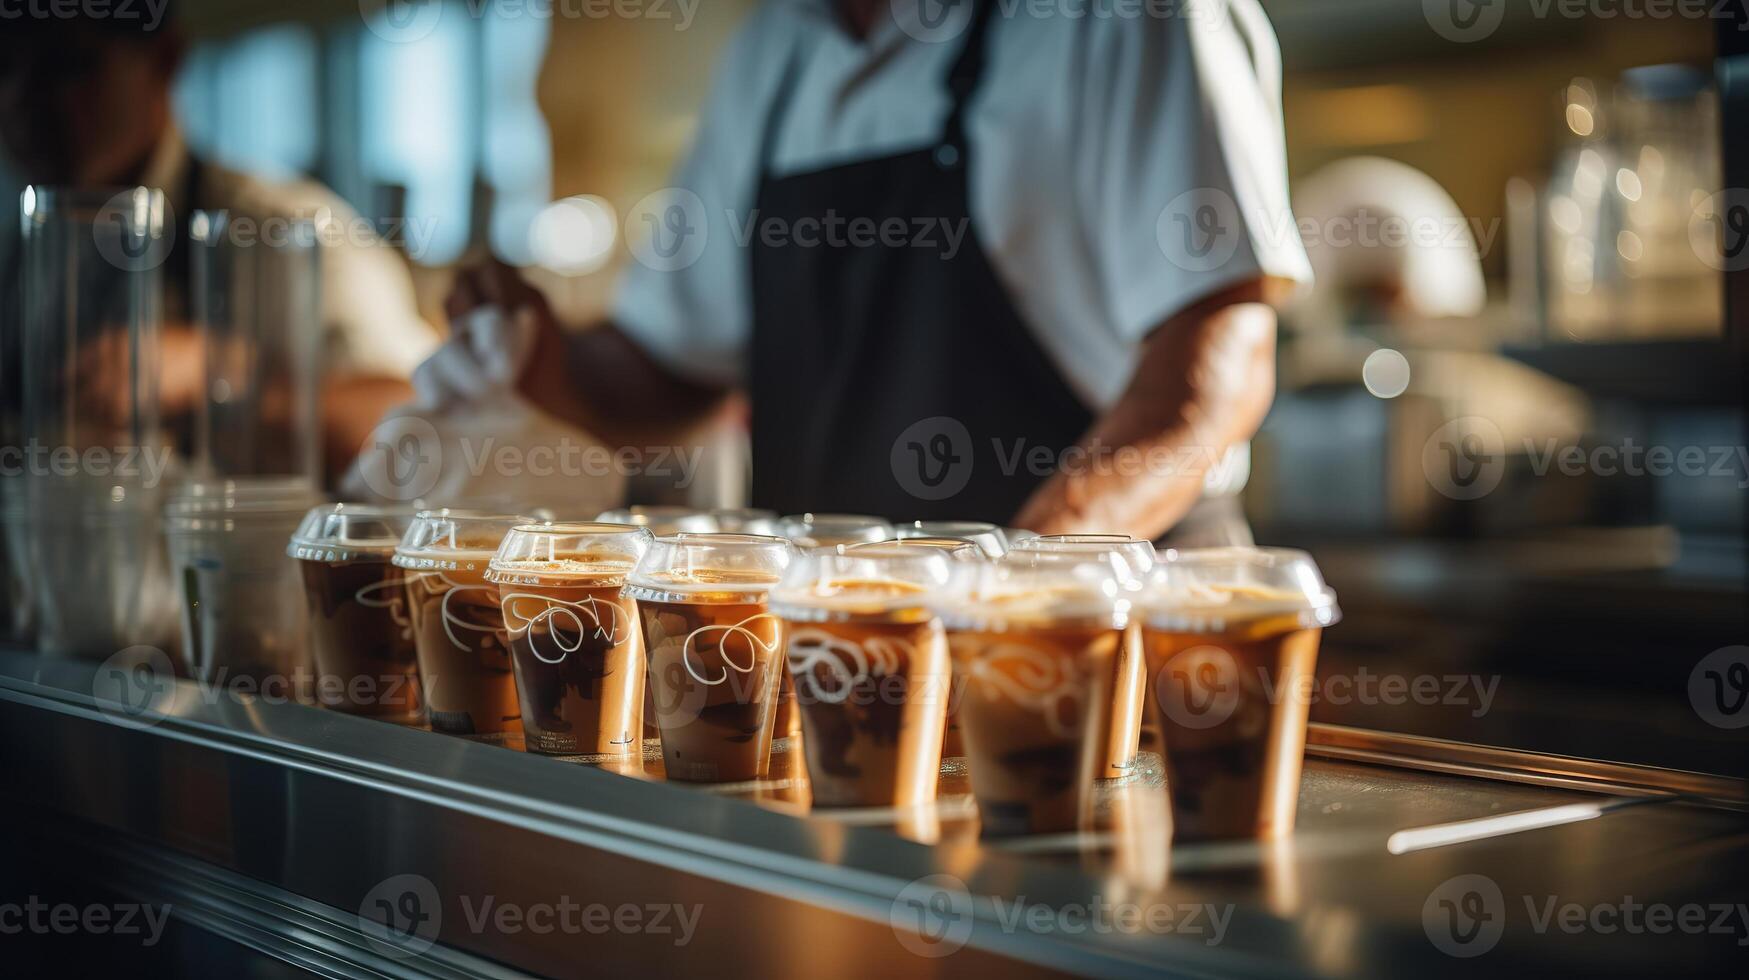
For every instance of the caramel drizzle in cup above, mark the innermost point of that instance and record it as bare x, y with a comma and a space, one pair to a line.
847, 662
1039, 681
739, 629
396, 603
615, 632
450, 619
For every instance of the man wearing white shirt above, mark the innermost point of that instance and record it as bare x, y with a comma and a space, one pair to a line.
972, 259
85, 102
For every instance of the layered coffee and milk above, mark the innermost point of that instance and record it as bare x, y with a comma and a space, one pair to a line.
714, 649
1036, 646
361, 631
458, 630
871, 672
574, 643
1231, 638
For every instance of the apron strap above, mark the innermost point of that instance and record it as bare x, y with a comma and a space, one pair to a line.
962, 83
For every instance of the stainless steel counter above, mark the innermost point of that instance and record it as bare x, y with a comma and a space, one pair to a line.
275, 825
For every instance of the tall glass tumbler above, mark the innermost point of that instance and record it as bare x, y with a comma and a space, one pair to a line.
97, 461
257, 303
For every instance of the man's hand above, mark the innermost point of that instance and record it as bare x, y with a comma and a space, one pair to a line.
599, 380
1203, 384
503, 332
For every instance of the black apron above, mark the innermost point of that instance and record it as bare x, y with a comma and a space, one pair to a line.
896, 377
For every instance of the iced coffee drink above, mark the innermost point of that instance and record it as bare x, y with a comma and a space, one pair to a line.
1231, 637
574, 643
714, 648
361, 633
870, 668
458, 630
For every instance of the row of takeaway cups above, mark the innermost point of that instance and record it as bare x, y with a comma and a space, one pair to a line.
1038, 659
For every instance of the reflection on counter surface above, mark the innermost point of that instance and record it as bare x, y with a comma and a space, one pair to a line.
1339, 897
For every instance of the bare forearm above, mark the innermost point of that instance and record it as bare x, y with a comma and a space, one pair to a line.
351, 408
603, 382
1203, 385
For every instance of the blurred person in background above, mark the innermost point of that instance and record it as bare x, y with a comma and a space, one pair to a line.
85, 102
1036, 298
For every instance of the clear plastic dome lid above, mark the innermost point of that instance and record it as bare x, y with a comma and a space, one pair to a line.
710, 567
1137, 556
455, 540
885, 579
662, 520
988, 537
1214, 590
828, 530
598, 552
744, 520
956, 549
1019, 591
347, 531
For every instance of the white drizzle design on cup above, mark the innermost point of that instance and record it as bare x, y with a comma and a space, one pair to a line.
395, 603
846, 662
1040, 681
754, 644
614, 632
450, 619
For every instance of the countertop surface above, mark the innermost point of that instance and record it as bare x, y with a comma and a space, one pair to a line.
325, 806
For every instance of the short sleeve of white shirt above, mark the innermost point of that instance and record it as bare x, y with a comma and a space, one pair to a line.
1181, 181
1121, 169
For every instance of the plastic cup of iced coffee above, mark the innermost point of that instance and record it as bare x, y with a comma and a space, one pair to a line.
575, 648
1124, 689
361, 636
458, 629
1231, 639
1032, 643
870, 668
715, 650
